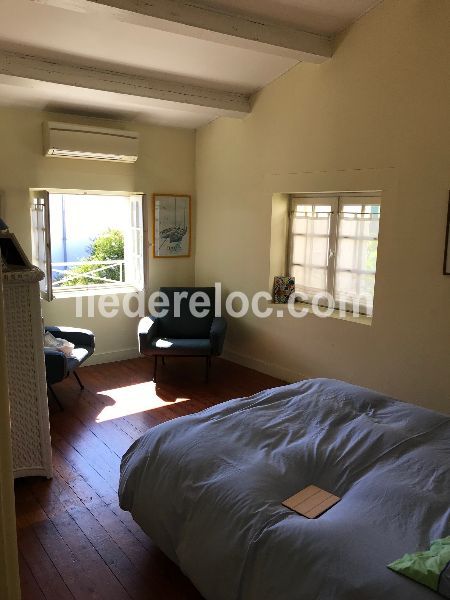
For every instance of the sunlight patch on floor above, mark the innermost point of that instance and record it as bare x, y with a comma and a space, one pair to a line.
132, 399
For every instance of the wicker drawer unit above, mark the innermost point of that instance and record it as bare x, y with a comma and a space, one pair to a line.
30, 427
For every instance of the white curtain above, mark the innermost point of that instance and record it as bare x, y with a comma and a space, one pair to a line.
310, 251
356, 259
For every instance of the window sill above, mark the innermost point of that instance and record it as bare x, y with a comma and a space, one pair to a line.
103, 291
280, 309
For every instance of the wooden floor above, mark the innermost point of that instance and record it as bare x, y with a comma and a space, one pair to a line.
74, 540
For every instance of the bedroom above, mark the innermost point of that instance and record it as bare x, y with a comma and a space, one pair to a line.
373, 117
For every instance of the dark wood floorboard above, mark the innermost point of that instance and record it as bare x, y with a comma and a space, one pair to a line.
74, 540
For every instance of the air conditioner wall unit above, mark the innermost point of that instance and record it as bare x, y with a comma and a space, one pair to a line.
66, 140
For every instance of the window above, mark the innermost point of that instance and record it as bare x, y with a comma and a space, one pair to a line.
86, 241
333, 247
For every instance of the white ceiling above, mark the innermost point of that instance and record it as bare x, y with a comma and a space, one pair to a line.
317, 16
123, 45
96, 40
42, 95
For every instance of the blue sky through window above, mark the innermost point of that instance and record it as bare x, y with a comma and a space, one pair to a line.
76, 219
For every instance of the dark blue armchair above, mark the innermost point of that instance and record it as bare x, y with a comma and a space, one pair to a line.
57, 365
183, 335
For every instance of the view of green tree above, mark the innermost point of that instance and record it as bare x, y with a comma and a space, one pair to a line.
109, 245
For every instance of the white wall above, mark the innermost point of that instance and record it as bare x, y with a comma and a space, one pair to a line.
166, 164
375, 116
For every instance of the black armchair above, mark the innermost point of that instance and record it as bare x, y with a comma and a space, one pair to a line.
183, 334
58, 366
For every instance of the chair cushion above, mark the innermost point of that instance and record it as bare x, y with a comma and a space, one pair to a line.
186, 325
181, 346
80, 354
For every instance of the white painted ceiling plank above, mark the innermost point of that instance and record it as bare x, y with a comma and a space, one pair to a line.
212, 24
49, 70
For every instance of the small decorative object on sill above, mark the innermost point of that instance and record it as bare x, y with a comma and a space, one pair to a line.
283, 287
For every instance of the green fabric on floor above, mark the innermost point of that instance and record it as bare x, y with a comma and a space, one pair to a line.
425, 567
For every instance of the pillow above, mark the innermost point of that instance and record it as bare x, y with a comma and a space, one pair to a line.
50, 341
431, 567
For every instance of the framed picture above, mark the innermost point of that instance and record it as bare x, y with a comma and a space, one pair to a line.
447, 243
171, 225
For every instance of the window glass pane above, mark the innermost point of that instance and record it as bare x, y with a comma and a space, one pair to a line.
322, 208
299, 249
351, 208
345, 283
88, 234
367, 285
346, 258
300, 224
310, 250
357, 226
364, 204
357, 247
357, 255
310, 246
354, 286
309, 279
312, 225
311, 222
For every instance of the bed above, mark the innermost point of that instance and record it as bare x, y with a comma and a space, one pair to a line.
207, 488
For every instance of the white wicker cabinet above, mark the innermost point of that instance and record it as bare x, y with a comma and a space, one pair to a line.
30, 427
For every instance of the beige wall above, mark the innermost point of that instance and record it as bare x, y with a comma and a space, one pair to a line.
375, 116
166, 164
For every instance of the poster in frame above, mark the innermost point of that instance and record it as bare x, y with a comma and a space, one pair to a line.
171, 225
447, 243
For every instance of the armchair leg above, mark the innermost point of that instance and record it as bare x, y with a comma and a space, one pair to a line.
55, 397
78, 379
155, 366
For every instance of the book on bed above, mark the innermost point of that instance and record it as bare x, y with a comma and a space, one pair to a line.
311, 501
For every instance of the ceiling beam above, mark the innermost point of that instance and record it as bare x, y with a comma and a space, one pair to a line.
54, 71
205, 22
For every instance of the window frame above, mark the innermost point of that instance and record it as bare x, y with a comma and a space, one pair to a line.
43, 260
335, 200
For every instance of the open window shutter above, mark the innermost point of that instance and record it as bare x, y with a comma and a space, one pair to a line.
135, 243
40, 222
145, 240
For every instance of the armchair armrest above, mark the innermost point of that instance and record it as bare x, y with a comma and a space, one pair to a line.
147, 329
78, 337
217, 335
56, 368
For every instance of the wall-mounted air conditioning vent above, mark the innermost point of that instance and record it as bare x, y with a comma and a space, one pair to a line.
95, 143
